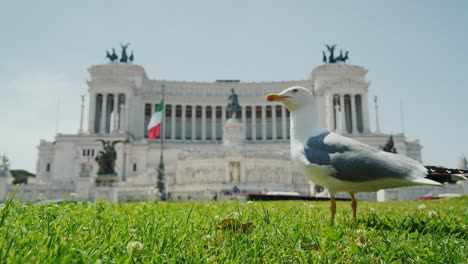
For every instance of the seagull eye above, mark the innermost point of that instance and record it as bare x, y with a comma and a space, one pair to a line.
294, 91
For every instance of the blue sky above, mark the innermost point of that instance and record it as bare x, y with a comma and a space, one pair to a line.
416, 53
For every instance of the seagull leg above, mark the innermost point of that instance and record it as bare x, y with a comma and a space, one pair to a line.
333, 209
353, 204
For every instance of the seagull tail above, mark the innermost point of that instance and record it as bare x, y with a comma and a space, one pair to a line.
443, 175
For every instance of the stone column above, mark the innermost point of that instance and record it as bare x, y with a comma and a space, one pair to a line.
342, 114
173, 124
328, 111
92, 113
283, 123
102, 125
81, 131
377, 125
338, 119
254, 122
122, 118
116, 114
194, 115
213, 122
365, 113
183, 122
223, 114
273, 122
353, 113
263, 122
244, 120
203, 116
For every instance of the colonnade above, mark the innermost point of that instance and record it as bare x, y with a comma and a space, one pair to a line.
345, 113
205, 122
109, 113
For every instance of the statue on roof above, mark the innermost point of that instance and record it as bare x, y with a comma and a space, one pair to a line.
124, 57
332, 58
131, 57
112, 57
233, 104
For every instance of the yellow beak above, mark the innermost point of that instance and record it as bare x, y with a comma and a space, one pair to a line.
273, 97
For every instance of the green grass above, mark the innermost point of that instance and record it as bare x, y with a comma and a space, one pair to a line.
283, 232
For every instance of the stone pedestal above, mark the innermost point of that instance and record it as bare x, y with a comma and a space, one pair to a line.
106, 187
5, 180
3, 188
108, 193
233, 133
83, 188
387, 195
107, 180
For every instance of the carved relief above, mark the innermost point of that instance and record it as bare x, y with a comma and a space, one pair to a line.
267, 174
234, 171
208, 174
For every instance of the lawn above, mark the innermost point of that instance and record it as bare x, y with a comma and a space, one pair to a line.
234, 232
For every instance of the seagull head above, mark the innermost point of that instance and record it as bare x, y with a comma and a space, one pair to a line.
293, 98
300, 102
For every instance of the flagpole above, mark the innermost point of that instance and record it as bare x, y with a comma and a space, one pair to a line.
163, 119
161, 172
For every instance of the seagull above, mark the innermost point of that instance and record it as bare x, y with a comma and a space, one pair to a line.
342, 164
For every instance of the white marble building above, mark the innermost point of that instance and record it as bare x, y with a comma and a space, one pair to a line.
122, 98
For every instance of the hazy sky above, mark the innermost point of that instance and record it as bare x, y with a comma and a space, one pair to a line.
416, 53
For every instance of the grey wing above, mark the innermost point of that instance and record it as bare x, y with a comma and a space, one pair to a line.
358, 162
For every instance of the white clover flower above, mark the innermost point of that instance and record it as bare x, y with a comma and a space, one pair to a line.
134, 246
360, 231
372, 209
72, 195
432, 213
249, 202
422, 207
207, 204
208, 236
235, 214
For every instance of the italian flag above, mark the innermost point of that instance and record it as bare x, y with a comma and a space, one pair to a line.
154, 126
